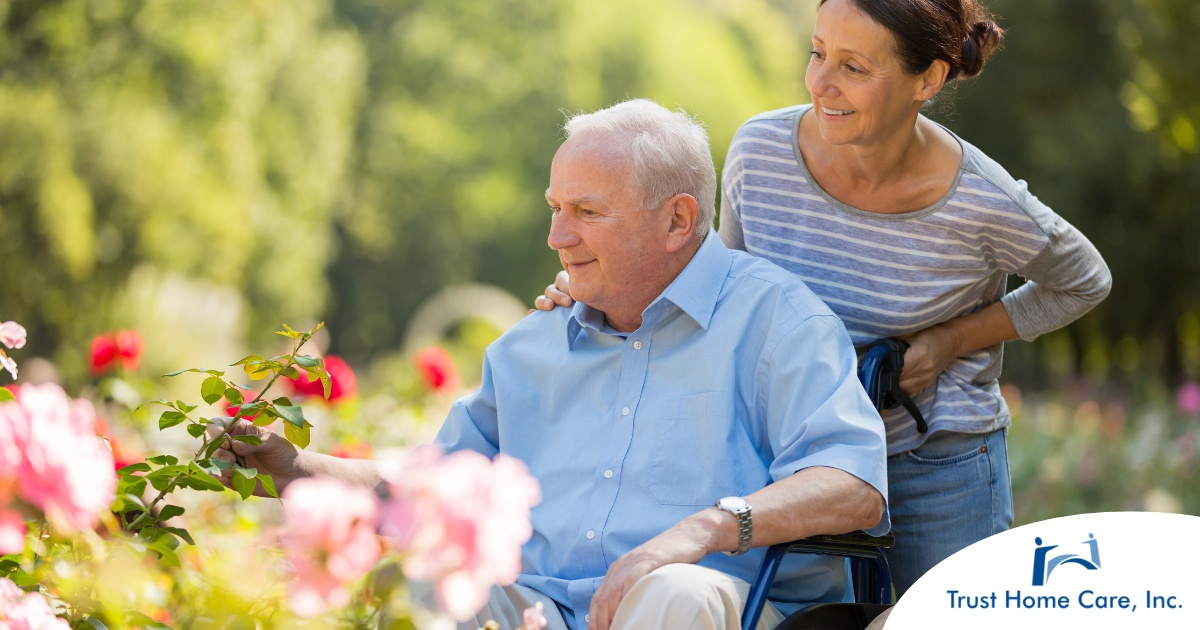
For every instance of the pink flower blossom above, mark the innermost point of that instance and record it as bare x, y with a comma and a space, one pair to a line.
12, 533
1187, 397
49, 448
26, 611
12, 335
534, 617
330, 541
460, 519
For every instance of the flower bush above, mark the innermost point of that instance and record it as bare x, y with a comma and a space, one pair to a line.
161, 543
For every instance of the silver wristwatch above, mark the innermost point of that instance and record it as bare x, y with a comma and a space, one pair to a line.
740, 509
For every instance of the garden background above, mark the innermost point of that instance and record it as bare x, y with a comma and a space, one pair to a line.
199, 172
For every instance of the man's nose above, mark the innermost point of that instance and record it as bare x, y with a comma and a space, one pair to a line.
562, 233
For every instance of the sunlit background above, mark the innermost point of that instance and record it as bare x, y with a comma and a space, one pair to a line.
201, 172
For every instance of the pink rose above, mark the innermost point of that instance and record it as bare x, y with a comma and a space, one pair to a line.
26, 611
49, 447
460, 520
12, 335
7, 363
330, 541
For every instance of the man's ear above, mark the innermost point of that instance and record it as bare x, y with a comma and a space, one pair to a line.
683, 211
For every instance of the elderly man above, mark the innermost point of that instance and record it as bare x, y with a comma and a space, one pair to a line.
694, 404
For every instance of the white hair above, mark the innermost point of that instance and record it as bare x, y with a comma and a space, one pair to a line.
669, 149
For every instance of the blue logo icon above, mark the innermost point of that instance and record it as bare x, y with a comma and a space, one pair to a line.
1043, 566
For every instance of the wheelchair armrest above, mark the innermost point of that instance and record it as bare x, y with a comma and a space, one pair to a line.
851, 545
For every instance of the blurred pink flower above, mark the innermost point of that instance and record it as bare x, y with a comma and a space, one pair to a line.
460, 520
12, 335
1187, 397
12, 533
26, 611
122, 346
329, 547
48, 445
534, 617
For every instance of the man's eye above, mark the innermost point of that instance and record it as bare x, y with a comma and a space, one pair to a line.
587, 212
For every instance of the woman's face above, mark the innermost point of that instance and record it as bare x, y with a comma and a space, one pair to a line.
860, 91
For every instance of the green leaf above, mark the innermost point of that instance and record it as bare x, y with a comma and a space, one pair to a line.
234, 395
180, 372
248, 439
290, 372
258, 370
96, 623
288, 332
6, 395
168, 554
164, 460
169, 419
326, 383
182, 533
245, 360
294, 415
161, 478
296, 435
243, 486
282, 400
212, 389
135, 486
169, 512
268, 484
138, 467
248, 473
184, 407
201, 480
195, 430
303, 360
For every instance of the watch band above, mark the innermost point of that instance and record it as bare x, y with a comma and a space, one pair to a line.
740, 509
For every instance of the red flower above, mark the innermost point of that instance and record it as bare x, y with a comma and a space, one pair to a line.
342, 382
124, 346
129, 348
351, 449
437, 370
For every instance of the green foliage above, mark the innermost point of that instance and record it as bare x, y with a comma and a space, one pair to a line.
204, 139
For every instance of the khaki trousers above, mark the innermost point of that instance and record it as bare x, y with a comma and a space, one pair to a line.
681, 596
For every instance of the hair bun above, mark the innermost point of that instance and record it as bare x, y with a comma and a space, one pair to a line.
981, 40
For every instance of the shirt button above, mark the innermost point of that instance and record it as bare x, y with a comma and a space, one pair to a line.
587, 617
591, 534
608, 474
637, 345
625, 411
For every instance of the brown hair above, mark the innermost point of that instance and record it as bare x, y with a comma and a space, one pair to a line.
959, 32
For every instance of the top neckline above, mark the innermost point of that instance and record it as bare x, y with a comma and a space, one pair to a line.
882, 216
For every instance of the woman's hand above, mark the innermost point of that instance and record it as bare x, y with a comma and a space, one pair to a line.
929, 352
558, 293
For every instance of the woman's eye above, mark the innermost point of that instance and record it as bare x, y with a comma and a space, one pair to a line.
852, 70
815, 55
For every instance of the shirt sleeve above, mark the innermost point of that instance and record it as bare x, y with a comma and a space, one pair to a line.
817, 412
472, 423
1065, 280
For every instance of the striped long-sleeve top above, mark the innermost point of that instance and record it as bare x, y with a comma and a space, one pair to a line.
891, 274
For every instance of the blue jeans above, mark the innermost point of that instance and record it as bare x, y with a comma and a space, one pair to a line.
951, 491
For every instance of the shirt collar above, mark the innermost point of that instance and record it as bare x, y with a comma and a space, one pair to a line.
695, 291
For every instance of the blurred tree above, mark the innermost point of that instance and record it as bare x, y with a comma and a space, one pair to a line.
204, 139
1049, 108
464, 112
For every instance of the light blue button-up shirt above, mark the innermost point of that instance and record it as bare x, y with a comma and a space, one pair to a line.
737, 377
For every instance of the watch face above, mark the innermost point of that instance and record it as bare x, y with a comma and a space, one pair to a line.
733, 504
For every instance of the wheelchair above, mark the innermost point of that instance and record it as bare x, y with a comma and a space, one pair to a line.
879, 372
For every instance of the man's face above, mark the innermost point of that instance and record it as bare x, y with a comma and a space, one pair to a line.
611, 247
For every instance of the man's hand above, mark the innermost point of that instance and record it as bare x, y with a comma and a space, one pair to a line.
275, 456
689, 541
558, 293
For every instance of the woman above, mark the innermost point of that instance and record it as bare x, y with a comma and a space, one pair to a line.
907, 231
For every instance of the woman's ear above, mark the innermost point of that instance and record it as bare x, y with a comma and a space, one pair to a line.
932, 80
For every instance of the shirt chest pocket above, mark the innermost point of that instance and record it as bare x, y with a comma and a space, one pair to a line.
699, 450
